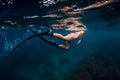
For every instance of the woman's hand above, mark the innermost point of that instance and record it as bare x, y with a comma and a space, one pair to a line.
78, 41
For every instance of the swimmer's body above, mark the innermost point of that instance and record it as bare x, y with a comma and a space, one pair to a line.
74, 35
68, 38
77, 33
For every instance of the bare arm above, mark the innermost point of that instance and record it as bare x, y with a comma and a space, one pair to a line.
78, 42
80, 37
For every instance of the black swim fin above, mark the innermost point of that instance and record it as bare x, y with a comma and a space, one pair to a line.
50, 33
45, 31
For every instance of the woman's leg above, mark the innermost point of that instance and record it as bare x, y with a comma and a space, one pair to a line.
67, 46
59, 36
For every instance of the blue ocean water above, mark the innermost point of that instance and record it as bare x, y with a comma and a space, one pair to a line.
38, 60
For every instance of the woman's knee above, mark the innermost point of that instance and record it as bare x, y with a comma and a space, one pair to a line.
67, 47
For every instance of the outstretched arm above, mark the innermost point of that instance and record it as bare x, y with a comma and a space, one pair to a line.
78, 42
80, 37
